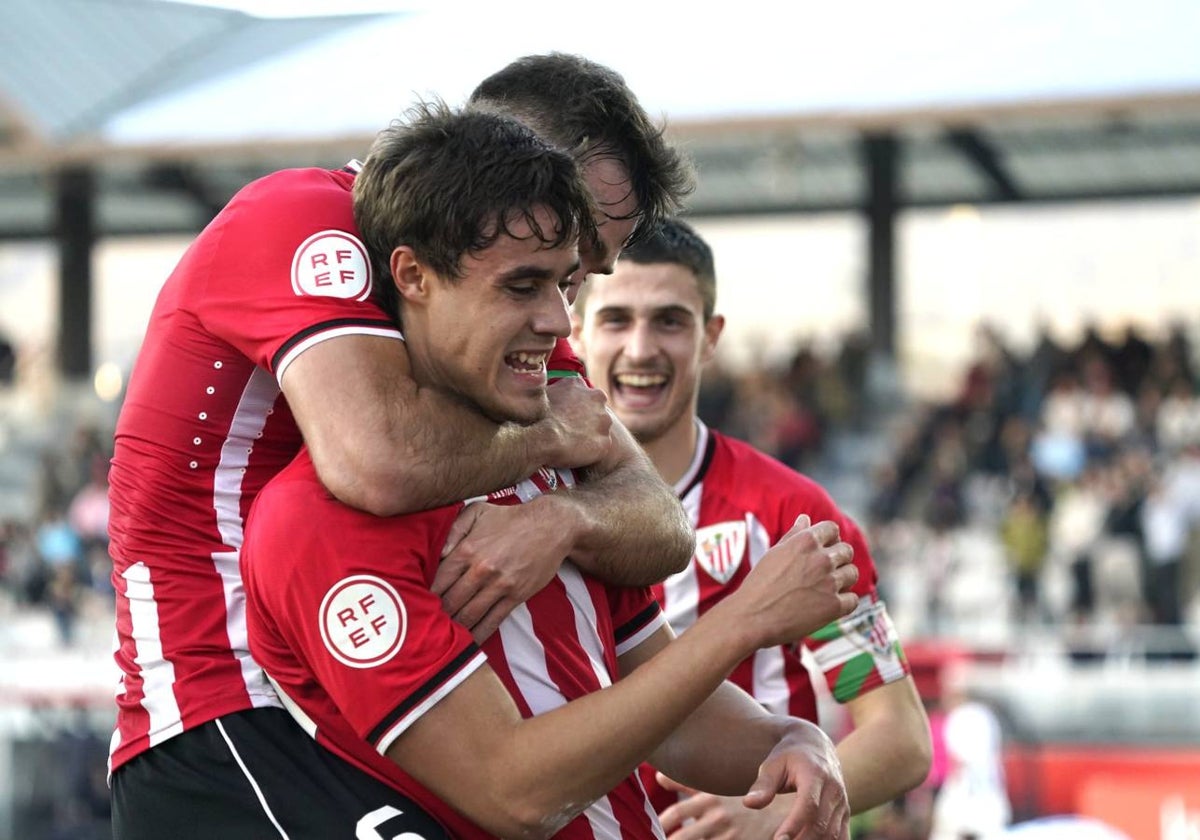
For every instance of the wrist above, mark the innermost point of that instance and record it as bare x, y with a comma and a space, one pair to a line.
530, 444
570, 519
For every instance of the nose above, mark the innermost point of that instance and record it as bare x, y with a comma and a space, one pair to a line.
553, 317
639, 344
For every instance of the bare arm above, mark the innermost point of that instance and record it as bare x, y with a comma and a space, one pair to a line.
887, 754
634, 531
384, 445
623, 524
720, 749
527, 778
889, 751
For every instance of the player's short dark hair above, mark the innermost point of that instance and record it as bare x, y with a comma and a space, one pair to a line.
676, 242
448, 182
588, 110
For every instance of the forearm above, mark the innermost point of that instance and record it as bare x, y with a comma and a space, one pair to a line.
527, 778
433, 451
632, 529
720, 746
384, 445
889, 751
623, 724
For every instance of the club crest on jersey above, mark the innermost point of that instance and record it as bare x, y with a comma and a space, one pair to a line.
363, 621
332, 263
719, 549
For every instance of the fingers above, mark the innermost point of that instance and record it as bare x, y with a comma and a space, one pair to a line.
771, 779
845, 576
463, 600
831, 819
667, 783
491, 620
461, 526
842, 553
700, 817
823, 533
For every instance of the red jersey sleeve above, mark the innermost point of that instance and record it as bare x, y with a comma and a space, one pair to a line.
346, 597
861, 651
810, 498
282, 268
636, 614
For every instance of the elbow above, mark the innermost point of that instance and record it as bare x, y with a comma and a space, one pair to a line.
523, 818
682, 544
357, 486
918, 757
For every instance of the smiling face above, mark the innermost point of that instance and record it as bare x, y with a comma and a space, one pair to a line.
643, 336
486, 336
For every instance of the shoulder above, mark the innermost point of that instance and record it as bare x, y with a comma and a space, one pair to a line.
776, 480
291, 201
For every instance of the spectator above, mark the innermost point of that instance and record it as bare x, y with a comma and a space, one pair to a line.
1025, 534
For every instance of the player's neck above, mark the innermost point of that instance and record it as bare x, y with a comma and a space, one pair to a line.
673, 451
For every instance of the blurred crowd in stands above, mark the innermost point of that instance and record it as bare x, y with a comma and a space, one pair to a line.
59, 561
1060, 486
1056, 487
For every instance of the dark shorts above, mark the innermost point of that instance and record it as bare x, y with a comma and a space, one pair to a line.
256, 775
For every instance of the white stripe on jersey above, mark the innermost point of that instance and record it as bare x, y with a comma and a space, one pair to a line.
650, 812
770, 685
585, 621
681, 591
315, 339
249, 418
603, 821
527, 661
156, 672
642, 635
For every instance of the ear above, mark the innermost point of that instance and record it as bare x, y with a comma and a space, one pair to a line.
577, 333
712, 334
409, 274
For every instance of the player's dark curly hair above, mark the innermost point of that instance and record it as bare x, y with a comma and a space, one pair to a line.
676, 242
588, 110
448, 182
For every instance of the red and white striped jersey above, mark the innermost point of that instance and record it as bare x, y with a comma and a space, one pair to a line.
203, 428
741, 503
341, 616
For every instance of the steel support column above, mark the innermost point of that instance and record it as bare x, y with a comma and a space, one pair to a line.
75, 231
880, 160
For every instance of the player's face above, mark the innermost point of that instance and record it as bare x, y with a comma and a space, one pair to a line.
487, 335
643, 337
608, 182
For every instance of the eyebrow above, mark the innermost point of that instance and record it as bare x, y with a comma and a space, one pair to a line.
535, 272
669, 309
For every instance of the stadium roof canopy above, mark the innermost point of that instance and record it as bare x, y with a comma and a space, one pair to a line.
149, 114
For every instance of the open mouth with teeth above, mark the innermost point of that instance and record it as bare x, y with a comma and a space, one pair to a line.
639, 389
531, 364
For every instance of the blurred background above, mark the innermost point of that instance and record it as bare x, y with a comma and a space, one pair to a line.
959, 251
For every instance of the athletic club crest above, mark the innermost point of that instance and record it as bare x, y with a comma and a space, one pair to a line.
719, 549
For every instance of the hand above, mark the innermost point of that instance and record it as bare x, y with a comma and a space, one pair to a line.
804, 761
495, 558
579, 424
705, 816
799, 586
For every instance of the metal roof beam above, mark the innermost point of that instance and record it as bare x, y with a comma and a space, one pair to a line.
186, 180
984, 156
